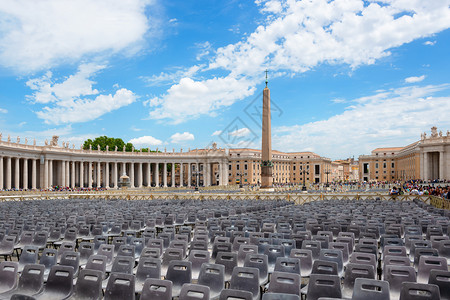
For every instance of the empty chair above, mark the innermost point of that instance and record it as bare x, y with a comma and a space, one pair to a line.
88, 286
126, 250
7, 246
72, 259
231, 294
394, 251
282, 282
244, 249
273, 252
354, 271
191, 291
86, 249
306, 260
30, 282
150, 252
148, 267
441, 278
314, 246
99, 240
120, 286
229, 261
325, 267
48, 259
156, 289
40, 239
419, 291
395, 260
280, 296
428, 263
97, 262
343, 247
323, 285
197, 258
123, 264
59, 284
364, 258
179, 272
212, 276
444, 249
108, 251
246, 279
370, 289
288, 265
8, 276
65, 247
396, 275
417, 244
258, 261
169, 255
333, 255
29, 255
419, 252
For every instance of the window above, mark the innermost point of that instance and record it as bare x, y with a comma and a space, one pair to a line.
376, 165
317, 169
237, 167
384, 165
229, 167
245, 167
392, 165
294, 168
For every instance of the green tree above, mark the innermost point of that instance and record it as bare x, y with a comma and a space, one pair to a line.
104, 141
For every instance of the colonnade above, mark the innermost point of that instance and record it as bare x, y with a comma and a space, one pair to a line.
45, 172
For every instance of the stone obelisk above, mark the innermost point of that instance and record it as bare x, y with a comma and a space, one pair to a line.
266, 148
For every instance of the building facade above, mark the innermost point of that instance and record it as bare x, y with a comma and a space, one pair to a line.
425, 159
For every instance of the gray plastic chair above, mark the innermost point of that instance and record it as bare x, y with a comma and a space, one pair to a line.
30, 282
314, 246
428, 263
147, 268
370, 289
97, 262
229, 261
179, 272
288, 283
7, 246
325, 267
419, 291
323, 285
88, 286
48, 259
72, 259
86, 249
258, 261
156, 289
169, 255
108, 251
442, 280
120, 286
231, 294
364, 258
244, 249
8, 276
213, 276
59, 284
396, 275
288, 265
306, 260
333, 255
197, 258
28, 256
354, 271
191, 291
246, 279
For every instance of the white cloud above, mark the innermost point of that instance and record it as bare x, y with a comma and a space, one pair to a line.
298, 36
204, 49
241, 132
414, 79
392, 118
170, 78
145, 141
429, 43
217, 132
36, 35
178, 138
69, 101
3, 111
134, 128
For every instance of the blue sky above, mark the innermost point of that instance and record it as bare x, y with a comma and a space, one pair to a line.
346, 76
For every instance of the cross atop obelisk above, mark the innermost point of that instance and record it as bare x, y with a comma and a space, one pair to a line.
266, 148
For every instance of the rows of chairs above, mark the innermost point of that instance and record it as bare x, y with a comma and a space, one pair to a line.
221, 249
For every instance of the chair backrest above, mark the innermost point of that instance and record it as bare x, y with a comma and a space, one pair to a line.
191, 291
441, 278
120, 286
108, 251
123, 264
97, 262
258, 261
89, 284
228, 260
72, 259
213, 276
306, 260
282, 282
325, 267
244, 249
333, 255
246, 279
364, 258
396, 260
428, 263
48, 258
8, 275
314, 246
156, 289
353, 271
151, 252
419, 252
323, 285
396, 275
29, 255
419, 291
232, 294
394, 251
40, 239
32, 279
179, 272
148, 267
370, 289
288, 265
60, 281
126, 250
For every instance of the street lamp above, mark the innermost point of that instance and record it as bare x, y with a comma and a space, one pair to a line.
327, 172
240, 178
304, 172
196, 173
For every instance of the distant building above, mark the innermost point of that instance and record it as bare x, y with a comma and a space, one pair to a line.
426, 159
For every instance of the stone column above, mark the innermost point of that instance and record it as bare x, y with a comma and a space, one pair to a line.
124, 168
50, 174
45, 174
139, 175
441, 165
17, 173
173, 174
63, 173
197, 175
81, 174
165, 175
225, 177
132, 175
106, 175
72, 183
208, 174
181, 175
426, 167
149, 175
189, 174
89, 174
115, 176
1, 172
25, 173
33, 174
67, 173
99, 174
157, 174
